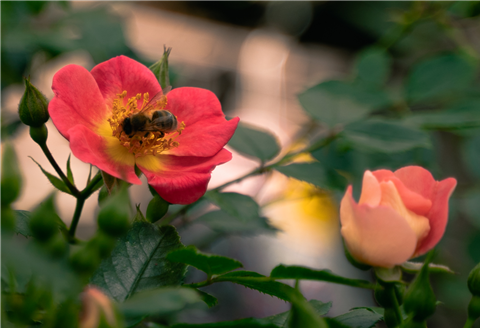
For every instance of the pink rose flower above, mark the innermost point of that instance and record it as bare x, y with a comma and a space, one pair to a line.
400, 215
89, 109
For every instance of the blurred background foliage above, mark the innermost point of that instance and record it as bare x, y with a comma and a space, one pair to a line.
412, 98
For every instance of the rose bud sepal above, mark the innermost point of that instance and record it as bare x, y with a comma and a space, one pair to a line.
33, 107
420, 301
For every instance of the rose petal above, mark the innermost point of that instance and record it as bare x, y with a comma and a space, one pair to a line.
124, 74
180, 179
438, 215
77, 100
207, 130
92, 148
412, 200
371, 192
378, 236
418, 180
391, 198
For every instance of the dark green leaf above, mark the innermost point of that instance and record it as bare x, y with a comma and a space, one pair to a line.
471, 157
210, 300
224, 223
300, 272
56, 182
139, 262
439, 78
69, 171
313, 173
359, 318
261, 283
373, 66
242, 323
336, 102
281, 319
464, 114
254, 142
208, 263
242, 207
385, 136
22, 223
159, 302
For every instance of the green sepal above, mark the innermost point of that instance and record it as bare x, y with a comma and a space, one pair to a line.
160, 69
69, 171
157, 208
415, 267
389, 274
56, 182
39, 134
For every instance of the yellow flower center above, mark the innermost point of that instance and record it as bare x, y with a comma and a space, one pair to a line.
144, 138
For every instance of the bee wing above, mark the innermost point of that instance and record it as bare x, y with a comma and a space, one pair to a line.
152, 103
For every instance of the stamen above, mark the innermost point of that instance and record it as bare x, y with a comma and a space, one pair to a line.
141, 143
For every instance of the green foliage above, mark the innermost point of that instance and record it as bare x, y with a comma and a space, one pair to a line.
114, 217
281, 319
208, 299
69, 171
159, 302
309, 172
43, 222
336, 102
254, 142
160, 69
139, 262
224, 223
432, 79
261, 283
208, 263
303, 314
250, 322
373, 66
359, 318
299, 272
385, 136
240, 206
33, 107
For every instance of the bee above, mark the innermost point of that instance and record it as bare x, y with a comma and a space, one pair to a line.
159, 121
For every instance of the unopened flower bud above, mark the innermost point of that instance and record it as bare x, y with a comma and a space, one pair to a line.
97, 310
43, 222
474, 281
33, 108
11, 176
157, 208
114, 215
420, 299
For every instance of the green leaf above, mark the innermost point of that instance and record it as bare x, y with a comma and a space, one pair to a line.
242, 207
210, 264
56, 182
385, 136
69, 171
303, 314
359, 318
373, 66
224, 223
210, 300
471, 156
415, 267
159, 302
261, 283
22, 223
281, 319
139, 262
242, 323
336, 102
254, 142
461, 115
299, 272
439, 77
157, 208
313, 173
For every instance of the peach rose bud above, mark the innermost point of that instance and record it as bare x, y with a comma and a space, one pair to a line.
400, 215
97, 310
